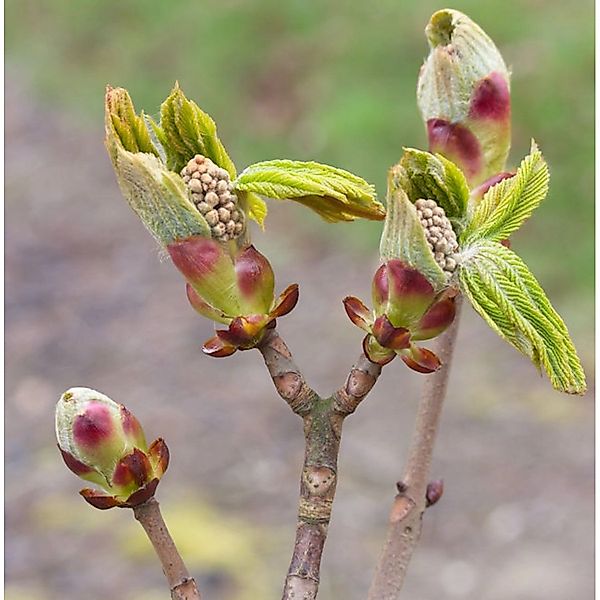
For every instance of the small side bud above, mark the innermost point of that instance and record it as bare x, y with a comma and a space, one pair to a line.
463, 94
434, 492
102, 442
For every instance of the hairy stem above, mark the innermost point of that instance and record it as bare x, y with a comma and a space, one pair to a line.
182, 586
405, 521
323, 419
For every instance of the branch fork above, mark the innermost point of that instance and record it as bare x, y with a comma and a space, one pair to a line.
323, 419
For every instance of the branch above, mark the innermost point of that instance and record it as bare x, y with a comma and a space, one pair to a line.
182, 586
287, 378
323, 419
405, 521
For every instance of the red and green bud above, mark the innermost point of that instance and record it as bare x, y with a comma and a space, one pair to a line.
102, 442
463, 94
407, 308
233, 286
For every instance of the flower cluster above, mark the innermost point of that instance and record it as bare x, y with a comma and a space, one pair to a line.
177, 176
212, 193
439, 234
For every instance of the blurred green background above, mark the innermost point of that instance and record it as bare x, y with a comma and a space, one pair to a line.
89, 304
331, 81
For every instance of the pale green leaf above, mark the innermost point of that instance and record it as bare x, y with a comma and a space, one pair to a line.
123, 126
335, 194
403, 235
506, 205
431, 176
254, 207
186, 130
506, 294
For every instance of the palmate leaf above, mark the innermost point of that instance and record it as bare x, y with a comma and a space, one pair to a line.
506, 205
506, 294
186, 130
433, 176
335, 194
403, 235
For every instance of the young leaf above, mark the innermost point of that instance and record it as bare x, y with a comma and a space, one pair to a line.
403, 235
334, 194
506, 294
123, 124
506, 205
431, 176
254, 206
185, 130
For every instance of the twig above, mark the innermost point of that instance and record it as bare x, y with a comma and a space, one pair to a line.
406, 516
182, 586
323, 418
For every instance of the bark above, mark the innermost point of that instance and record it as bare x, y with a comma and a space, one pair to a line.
405, 521
182, 586
323, 419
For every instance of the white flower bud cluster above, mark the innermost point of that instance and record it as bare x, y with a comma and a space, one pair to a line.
211, 192
439, 234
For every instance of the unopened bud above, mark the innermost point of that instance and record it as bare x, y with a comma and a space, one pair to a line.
407, 308
434, 492
463, 94
102, 442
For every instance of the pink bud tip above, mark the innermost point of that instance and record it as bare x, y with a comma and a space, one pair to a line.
457, 143
254, 275
131, 426
195, 257
94, 426
491, 99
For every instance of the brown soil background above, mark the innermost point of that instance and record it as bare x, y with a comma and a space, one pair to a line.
90, 302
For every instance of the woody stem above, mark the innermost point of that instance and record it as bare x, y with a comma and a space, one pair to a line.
181, 584
405, 521
323, 419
